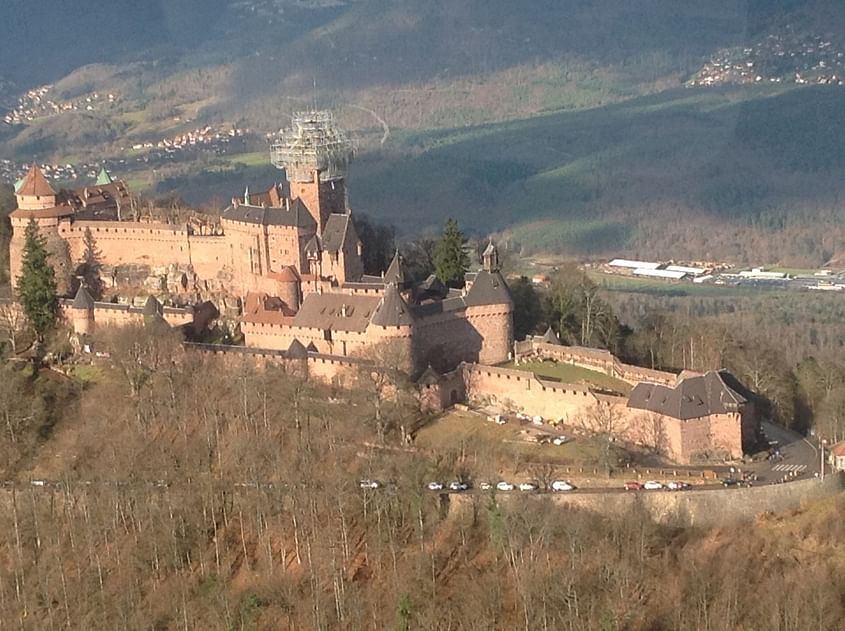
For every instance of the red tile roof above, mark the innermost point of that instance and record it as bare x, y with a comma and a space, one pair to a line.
35, 184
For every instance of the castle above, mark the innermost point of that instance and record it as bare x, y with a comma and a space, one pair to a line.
292, 256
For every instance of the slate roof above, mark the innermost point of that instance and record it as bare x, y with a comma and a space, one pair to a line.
392, 310
313, 245
325, 311
452, 303
429, 377
35, 184
83, 299
488, 288
550, 337
337, 230
297, 216
152, 307
296, 350
690, 398
396, 271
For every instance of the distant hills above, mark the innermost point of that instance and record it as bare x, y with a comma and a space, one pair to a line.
565, 124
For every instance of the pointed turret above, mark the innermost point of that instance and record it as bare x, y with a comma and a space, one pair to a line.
392, 310
82, 312
246, 195
152, 308
35, 184
103, 178
490, 258
396, 272
83, 299
34, 192
429, 377
550, 337
296, 350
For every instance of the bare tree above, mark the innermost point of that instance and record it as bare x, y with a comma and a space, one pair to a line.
604, 421
13, 329
382, 376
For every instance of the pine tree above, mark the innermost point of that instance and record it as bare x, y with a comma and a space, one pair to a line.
37, 283
91, 267
451, 261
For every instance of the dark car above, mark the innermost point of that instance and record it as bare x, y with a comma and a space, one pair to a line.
729, 482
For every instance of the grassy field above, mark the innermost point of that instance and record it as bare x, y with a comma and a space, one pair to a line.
567, 373
484, 442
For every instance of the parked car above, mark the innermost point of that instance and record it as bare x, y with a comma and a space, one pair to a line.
537, 420
677, 486
652, 485
562, 485
458, 485
485, 486
560, 440
369, 484
528, 486
729, 482
504, 486
633, 486
435, 486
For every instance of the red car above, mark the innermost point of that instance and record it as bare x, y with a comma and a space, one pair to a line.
633, 486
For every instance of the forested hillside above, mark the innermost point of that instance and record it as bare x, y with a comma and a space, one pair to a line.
220, 497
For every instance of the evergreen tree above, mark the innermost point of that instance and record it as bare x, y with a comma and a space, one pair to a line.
91, 267
37, 283
451, 261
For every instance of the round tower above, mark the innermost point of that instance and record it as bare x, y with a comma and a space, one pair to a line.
82, 312
393, 326
37, 201
490, 310
289, 287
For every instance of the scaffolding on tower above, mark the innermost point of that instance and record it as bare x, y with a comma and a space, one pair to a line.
313, 142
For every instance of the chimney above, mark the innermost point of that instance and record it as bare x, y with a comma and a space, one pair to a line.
343, 312
236, 202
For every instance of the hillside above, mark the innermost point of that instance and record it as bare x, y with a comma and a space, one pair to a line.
572, 134
221, 497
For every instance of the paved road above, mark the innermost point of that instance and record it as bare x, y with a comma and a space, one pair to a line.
799, 459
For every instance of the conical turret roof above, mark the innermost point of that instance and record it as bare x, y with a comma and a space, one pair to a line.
83, 299
152, 307
103, 178
488, 288
396, 271
296, 350
429, 377
392, 310
35, 184
550, 337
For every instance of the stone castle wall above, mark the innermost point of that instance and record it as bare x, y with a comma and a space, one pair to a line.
576, 406
593, 359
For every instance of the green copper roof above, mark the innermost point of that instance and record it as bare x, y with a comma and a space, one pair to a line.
103, 178
18, 184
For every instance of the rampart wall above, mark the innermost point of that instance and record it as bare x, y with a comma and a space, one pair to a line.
329, 369
577, 406
593, 359
123, 242
711, 507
